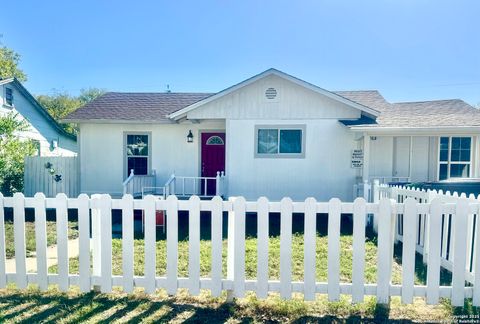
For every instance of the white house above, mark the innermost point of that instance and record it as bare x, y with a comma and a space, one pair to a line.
49, 136
274, 135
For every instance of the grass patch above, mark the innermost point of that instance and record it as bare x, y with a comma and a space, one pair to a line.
72, 307
250, 259
30, 236
33, 306
346, 257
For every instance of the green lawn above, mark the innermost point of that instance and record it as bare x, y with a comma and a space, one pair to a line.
205, 307
251, 259
30, 236
73, 307
32, 306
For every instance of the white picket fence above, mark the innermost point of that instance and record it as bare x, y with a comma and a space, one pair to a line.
235, 282
447, 250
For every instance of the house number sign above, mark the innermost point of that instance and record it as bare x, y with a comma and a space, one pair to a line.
357, 159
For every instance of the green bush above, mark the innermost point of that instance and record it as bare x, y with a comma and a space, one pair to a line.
12, 153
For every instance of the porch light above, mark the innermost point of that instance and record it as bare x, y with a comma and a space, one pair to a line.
190, 137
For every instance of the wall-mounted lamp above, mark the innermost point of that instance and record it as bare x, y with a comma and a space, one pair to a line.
373, 138
190, 137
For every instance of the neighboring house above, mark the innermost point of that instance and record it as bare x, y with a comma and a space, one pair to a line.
274, 135
49, 136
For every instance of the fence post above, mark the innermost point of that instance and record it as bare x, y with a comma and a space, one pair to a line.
96, 240
366, 190
231, 249
154, 183
19, 240
385, 249
236, 249
431, 195
224, 184
393, 195
217, 184
376, 190
376, 199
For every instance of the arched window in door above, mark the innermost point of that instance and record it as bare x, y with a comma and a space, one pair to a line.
215, 140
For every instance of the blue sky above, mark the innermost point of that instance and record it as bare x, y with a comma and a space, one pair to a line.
409, 50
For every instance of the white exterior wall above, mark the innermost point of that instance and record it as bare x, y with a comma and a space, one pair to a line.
381, 156
420, 159
325, 172
102, 157
292, 102
390, 156
41, 129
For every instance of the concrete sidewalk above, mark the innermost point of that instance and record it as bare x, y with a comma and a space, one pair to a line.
31, 262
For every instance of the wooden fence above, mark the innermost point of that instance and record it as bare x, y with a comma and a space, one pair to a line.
51, 175
235, 283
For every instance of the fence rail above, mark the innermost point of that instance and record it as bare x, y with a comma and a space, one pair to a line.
235, 282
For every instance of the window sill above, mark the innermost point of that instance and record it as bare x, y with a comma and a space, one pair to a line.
279, 156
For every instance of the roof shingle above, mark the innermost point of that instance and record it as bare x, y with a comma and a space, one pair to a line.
434, 113
135, 106
154, 107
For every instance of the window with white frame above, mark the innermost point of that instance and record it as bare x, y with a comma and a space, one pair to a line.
280, 141
455, 158
137, 153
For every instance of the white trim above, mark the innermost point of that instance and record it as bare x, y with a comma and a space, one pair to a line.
182, 112
449, 162
118, 121
7, 80
125, 156
418, 131
410, 157
278, 155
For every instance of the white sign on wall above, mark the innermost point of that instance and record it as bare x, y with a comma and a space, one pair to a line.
357, 159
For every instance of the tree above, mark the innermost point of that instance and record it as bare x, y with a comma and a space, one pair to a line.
12, 153
9, 60
87, 95
61, 104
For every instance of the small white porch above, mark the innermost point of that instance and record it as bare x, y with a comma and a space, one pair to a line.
419, 156
182, 186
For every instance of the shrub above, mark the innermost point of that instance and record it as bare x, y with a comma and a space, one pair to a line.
12, 153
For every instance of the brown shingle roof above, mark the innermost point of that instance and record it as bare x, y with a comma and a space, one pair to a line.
135, 106
369, 98
435, 113
154, 107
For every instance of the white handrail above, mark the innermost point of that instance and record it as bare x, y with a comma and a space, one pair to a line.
127, 181
168, 184
169, 187
134, 184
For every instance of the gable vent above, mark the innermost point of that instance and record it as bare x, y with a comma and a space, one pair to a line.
271, 93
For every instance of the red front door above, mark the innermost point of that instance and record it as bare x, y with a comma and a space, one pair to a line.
213, 158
